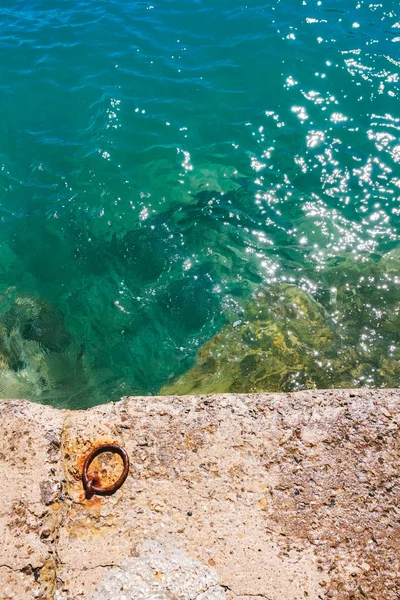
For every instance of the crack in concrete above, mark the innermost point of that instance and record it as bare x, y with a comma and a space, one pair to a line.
210, 588
5, 566
256, 596
100, 566
66, 503
245, 595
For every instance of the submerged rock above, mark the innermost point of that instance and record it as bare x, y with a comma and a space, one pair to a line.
288, 340
38, 321
38, 356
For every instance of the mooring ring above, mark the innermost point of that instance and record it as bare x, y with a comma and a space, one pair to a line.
91, 484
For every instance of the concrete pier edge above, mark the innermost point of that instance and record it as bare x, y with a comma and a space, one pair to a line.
229, 497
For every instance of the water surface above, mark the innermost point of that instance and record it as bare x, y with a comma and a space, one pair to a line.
160, 161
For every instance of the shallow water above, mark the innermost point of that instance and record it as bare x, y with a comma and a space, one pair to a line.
159, 162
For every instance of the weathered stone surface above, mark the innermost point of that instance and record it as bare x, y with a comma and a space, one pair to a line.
30, 483
17, 585
229, 497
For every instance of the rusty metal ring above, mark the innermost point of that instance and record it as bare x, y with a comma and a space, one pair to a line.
91, 484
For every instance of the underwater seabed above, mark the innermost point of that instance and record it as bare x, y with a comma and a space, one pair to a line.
345, 336
39, 359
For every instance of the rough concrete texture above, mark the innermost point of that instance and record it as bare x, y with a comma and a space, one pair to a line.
229, 497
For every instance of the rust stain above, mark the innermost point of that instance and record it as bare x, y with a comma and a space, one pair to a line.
84, 530
93, 504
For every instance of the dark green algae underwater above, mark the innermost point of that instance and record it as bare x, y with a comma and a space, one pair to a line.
336, 327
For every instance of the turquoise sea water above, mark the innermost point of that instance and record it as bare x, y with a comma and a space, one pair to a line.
161, 160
